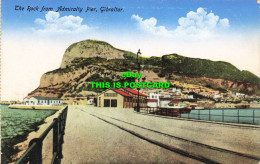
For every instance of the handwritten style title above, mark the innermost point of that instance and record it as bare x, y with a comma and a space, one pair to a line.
68, 9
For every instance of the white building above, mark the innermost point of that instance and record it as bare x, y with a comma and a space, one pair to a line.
164, 101
152, 102
159, 99
165, 95
178, 104
190, 97
154, 96
240, 94
26, 101
35, 100
216, 96
91, 101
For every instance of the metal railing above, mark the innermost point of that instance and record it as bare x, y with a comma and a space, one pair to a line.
33, 155
225, 116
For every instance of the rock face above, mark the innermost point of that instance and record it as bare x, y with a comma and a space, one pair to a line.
88, 49
98, 61
72, 83
58, 84
237, 86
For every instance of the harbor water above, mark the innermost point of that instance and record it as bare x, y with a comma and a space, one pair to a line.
241, 116
16, 124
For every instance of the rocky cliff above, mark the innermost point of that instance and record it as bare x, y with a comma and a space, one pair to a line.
98, 61
89, 49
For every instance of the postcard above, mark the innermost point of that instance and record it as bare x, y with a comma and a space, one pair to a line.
109, 81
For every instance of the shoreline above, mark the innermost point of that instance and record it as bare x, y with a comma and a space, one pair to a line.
11, 142
21, 147
36, 107
233, 106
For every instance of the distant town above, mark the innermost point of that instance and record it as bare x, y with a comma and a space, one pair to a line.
182, 95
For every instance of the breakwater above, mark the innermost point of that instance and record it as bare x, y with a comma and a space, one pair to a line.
36, 107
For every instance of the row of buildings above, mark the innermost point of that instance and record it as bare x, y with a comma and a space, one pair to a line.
45, 101
119, 98
128, 98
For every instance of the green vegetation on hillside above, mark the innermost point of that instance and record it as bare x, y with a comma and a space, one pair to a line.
207, 68
154, 60
181, 65
167, 65
164, 66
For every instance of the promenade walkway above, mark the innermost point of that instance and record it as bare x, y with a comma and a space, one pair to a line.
90, 140
100, 135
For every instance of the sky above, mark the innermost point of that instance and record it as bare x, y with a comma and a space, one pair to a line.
34, 41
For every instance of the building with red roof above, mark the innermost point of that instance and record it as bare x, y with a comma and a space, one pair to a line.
122, 93
175, 102
134, 93
121, 98
115, 98
152, 100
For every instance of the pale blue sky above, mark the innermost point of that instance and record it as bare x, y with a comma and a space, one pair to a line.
241, 13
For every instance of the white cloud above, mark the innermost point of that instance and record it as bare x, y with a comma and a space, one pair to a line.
224, 23
199, 23
53, 23
149, 25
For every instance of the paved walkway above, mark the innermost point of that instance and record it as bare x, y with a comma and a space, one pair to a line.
90, 140
93, 135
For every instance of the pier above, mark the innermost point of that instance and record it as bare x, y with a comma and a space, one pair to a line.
109, 135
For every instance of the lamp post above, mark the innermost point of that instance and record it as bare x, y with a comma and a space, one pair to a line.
138, 64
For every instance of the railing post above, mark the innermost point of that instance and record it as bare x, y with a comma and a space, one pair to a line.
209, 115
61, 122
65, 114
254, 116
55, 139
36, 156
198, 114
237, 116
64, 122
60, 138
222, 115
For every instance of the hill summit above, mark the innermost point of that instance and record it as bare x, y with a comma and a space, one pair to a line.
90, 49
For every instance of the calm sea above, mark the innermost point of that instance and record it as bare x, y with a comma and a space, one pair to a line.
241, 116
16, 124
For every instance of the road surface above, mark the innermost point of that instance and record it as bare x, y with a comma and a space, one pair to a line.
103, 135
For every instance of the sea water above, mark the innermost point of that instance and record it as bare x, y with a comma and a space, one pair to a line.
241, 116
16, 124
